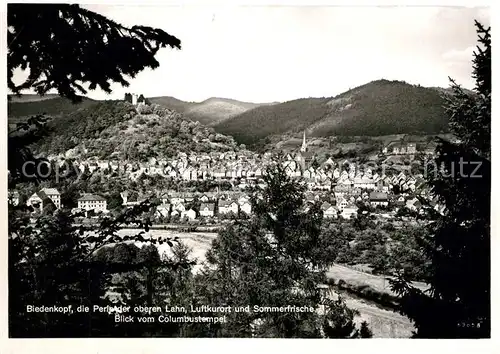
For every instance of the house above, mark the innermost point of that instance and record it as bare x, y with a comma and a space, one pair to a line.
341, 189
92, 202
342, 203
243, 199
411, 149
246, 207
189, 214
126, 201
163, 210
207, 209
328, 210
410, 204
378, 199
219, 173
204, 198
349, 211
186, 174
179, 208
329, 162
226, 207
39, 199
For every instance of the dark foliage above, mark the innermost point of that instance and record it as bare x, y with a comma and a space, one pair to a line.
50, 257
459, 247
251, 126
65, 46
115, 130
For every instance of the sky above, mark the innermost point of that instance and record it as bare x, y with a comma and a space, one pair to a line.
277, 53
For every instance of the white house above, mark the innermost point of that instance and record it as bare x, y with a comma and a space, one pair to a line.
226, 207
37, 199
204, 198
189, 214
328, 210
163, 210
349, 211
246, 207
207, 209
379, 199
92, 202
179, 207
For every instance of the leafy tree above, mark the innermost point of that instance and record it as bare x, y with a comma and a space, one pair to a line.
338, 322
458, 305
69, 197
115, 201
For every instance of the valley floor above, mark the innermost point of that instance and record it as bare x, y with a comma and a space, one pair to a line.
384, 323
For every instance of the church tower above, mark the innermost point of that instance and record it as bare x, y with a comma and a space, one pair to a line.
303, 148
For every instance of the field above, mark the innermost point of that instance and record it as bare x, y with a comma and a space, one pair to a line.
199, 242
357, 278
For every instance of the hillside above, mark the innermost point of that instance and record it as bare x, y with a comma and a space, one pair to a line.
28, 105
172, 103
209, 112
115, 130
31, 97
256, 124
378, 108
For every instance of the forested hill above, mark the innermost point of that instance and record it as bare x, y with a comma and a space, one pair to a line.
209, 112
378, 108
53, 105
114, 129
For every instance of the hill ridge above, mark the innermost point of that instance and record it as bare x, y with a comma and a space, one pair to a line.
380, 107
119, 130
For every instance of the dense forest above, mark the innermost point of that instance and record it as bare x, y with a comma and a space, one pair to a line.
54, 107
378, 108
114, 129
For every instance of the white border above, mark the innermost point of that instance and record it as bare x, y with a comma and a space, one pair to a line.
156, 345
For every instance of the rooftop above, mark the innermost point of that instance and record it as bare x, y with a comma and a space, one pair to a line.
91, 197
50, 191
378, 196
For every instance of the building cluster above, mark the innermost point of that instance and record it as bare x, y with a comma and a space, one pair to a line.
338, 186
193, 205
399, 148
51, 196
402, 148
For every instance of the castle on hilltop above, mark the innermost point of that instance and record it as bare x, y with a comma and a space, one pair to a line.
135, 99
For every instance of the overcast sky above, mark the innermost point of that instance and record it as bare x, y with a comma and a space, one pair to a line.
264, 54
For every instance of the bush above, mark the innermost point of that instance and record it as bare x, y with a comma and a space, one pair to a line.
144, 109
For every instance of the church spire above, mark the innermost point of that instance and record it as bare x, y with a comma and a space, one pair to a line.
303, 148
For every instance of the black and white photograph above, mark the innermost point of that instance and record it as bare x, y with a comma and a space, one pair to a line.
248, 171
